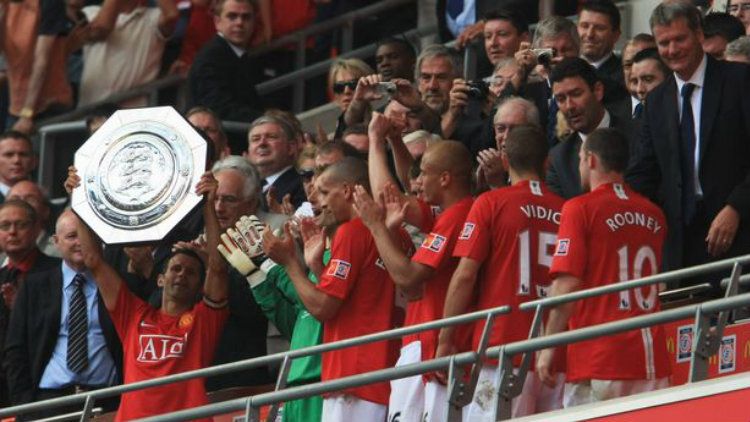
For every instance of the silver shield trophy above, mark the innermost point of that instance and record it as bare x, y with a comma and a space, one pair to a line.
138, 174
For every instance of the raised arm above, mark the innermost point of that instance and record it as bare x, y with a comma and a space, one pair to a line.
406, 274
168, 17
216, 288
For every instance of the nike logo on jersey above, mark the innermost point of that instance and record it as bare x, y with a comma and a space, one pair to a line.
144, 324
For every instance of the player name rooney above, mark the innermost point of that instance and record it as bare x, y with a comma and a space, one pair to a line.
628, 218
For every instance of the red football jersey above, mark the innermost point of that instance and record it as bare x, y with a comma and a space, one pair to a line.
435, 252
512, 232
155, 345
357, 276
610, 235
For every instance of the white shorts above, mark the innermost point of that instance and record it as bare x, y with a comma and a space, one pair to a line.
592, 391
346, 408
435, 402
535, 396
407, 399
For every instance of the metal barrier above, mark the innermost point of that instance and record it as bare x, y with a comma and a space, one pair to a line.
285, 358
504, 353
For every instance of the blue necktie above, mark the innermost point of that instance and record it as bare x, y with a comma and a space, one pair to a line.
638, 111
687, 149
78, 350
552, 123
454, 8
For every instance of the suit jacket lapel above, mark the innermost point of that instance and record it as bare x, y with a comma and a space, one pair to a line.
710, 104
672, 115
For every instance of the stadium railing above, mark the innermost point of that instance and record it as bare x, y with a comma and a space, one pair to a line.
507, 379
460, 393
285, 358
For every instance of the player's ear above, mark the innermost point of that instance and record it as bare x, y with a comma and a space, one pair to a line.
348, 192
445, 178
160, 280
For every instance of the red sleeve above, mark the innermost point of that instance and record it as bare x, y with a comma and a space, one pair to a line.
126, 306
435, 248
571, 252
347, 256
474, 240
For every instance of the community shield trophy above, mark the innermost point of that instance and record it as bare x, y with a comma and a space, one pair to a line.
138, 175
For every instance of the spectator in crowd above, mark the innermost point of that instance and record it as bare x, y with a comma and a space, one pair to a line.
18, 232
629, 106
129, 42
355, 295
272, 149
497, 260
35, 53
206, 120
511, 113
244, 334
703, 185
190, 319
560, 35
719, 29
343, 77
98, 116
32, 194
579, 94
648, 72
599, 29
222, 76
446, 183
61, 339
333, 152
595, 249
437, 67
634, 45
395, 59
738, 50
504, 30
17, 160
507, 79
741, 10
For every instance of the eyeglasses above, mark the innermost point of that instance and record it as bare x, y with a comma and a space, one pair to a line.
340, 87
745, 7
6, 226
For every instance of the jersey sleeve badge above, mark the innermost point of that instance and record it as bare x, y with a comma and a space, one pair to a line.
434, 242
467, 231
562, 247
339, 268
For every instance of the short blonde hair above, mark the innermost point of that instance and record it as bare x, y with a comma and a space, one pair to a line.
356, 67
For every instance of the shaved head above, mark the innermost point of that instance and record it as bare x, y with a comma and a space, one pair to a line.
349, 170
450, 156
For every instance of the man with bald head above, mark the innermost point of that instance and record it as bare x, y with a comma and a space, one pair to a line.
40, 350
445, 176
355, 295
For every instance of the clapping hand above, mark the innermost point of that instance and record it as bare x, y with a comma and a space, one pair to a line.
242, 245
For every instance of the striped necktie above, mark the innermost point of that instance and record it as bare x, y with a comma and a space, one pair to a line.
78, 350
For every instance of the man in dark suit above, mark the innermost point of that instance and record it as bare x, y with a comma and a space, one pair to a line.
579, 93
43, 360
272, 148
694, 147
19, 229
222, 76
599, 29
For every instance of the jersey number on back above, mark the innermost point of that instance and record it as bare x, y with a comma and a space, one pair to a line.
644, 256
545, 247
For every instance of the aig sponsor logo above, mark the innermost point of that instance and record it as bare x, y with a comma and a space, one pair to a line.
155, 348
